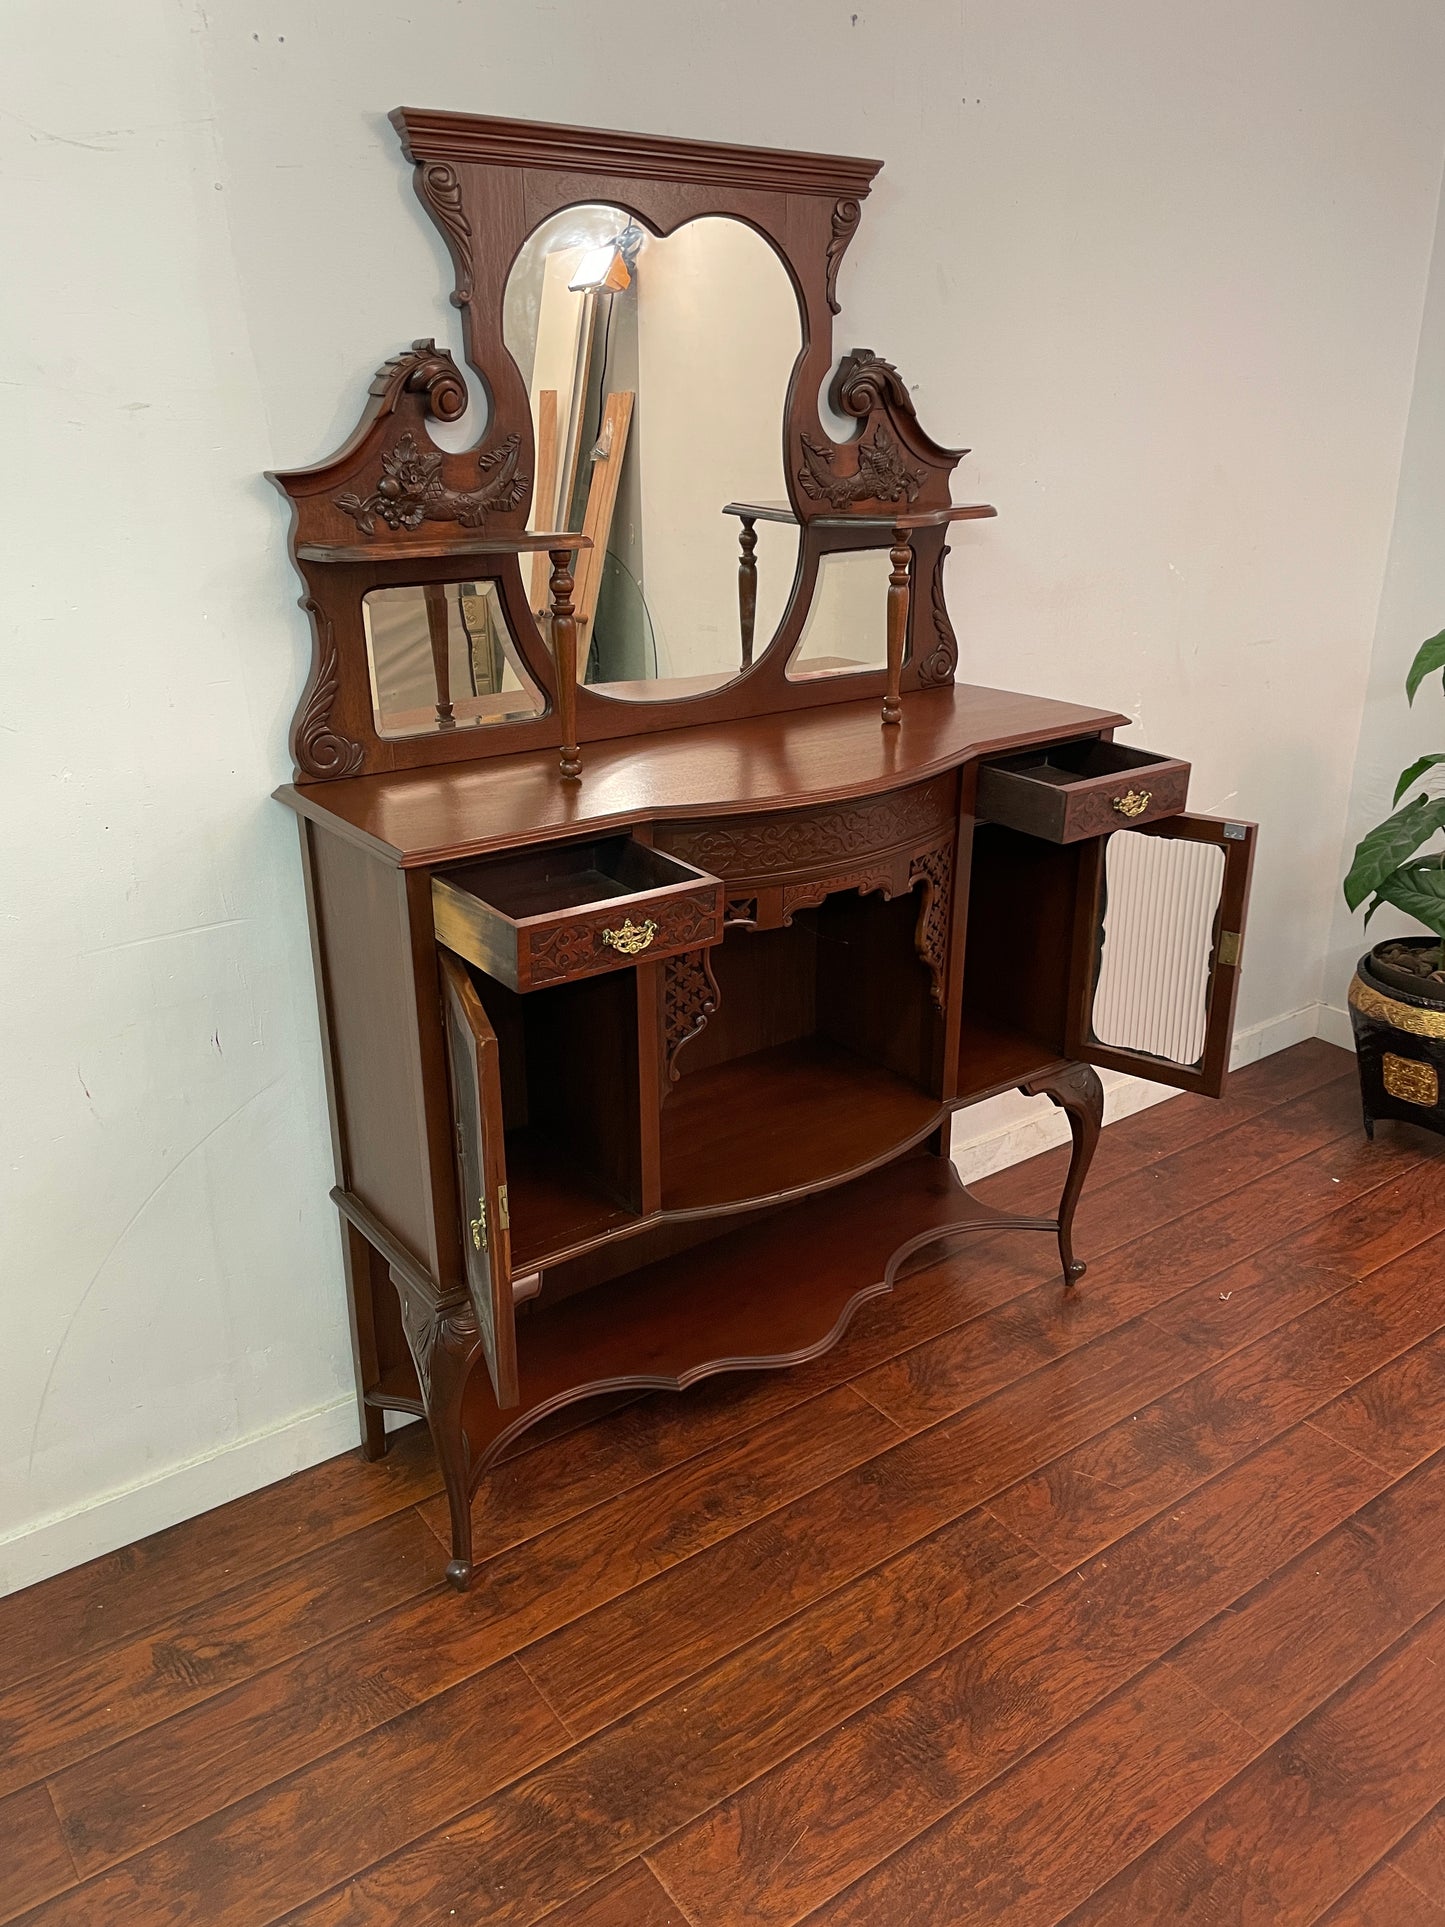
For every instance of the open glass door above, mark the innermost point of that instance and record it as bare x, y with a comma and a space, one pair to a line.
481, 1173
1157, 950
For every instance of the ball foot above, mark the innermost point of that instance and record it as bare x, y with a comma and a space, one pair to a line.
459, 1574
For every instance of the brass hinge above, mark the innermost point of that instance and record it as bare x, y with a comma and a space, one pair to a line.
1229, 942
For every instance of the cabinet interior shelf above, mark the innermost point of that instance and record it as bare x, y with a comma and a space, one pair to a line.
781, 1120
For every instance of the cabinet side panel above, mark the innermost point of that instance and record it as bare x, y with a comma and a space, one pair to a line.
365, 951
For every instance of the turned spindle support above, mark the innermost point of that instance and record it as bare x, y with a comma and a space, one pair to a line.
747, 585
564, 655
901, 556
435, 596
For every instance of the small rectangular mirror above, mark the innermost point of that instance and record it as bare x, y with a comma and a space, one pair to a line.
442, 656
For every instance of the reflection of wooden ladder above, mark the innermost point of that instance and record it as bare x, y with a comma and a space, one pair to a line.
609, 452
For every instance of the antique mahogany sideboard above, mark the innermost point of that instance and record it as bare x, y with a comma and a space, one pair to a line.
668, 894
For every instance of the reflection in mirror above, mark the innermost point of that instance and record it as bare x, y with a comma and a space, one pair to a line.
658, 370
1162, 895
847, 625
442, 657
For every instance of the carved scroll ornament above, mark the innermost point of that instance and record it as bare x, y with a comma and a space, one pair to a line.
320, 750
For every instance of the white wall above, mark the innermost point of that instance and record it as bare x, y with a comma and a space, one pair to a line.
1162, 266
1412, 606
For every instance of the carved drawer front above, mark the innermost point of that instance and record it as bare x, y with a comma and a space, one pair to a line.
550, 915
781, 844
1067, 791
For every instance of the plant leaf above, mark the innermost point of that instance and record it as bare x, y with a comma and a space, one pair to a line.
1419, 890
1416, 771
1387, 846
1429, 657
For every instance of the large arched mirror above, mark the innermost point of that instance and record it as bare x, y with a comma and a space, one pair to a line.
657, 369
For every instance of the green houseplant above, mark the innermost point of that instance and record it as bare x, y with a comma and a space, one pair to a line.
1397, 998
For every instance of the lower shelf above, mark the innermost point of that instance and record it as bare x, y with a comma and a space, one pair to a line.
778, 1292
783, 1120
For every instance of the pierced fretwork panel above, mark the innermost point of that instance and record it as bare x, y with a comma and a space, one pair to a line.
1152, 990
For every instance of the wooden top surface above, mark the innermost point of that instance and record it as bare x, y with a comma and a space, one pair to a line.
442, 814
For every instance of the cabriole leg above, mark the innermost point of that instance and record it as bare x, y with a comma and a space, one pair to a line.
1077, 1091
445, 1343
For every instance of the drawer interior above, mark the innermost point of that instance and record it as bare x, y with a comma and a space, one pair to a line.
1061, 764
543, 881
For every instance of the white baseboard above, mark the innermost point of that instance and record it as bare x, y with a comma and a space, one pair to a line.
1005, 1130
1008, 1129
115, 1519
1334, 1026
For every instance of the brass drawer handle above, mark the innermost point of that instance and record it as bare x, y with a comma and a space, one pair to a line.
632, 937
1133, 802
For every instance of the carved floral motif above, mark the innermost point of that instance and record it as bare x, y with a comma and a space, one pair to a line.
881, 475
411, 490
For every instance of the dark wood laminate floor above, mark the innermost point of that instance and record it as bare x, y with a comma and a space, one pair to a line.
1118, 1608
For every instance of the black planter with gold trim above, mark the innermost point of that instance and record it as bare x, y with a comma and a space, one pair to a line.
1400, 1044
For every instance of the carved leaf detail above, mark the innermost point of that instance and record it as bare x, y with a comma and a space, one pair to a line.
846, 214
939, 664
320, 750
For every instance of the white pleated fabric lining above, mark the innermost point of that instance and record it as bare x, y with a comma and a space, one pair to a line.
1154, 973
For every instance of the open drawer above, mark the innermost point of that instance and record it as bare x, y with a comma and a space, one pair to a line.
1067, 791
559, 912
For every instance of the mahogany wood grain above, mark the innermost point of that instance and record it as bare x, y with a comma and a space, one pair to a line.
162, 1780
1356, 1592
628, 1787
422, 817
1420, 1856
633, 1898
843, 1802
34, 1861
1384, 1898
1294, 1832
1114, 1781
1087, 1497
74, 1710
1391, 1417
253, 1862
